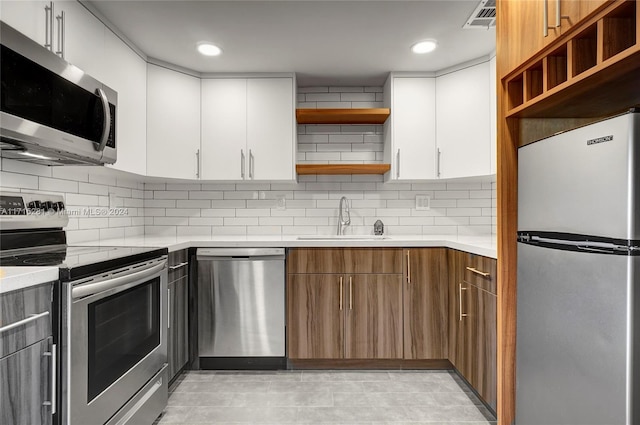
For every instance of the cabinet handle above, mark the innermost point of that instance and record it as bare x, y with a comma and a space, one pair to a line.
242, 163
48, 26
438, 161
61, 24
178, 266
197, 163
52, 380
398, 164
545, 18
408, 267
476, 271
350, 292
251, 163
460, 289
29, 319
340, 293
168, 308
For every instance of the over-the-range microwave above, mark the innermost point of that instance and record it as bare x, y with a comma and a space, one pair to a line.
51, 111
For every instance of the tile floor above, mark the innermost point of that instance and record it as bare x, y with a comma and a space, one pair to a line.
323, 397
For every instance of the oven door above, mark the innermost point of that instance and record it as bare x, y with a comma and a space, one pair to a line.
116, 339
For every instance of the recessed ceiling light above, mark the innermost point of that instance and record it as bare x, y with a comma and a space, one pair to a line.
209, 49
424, 46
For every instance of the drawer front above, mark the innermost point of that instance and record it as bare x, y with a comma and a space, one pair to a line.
178, 264
32, 308
344, 260
481, 272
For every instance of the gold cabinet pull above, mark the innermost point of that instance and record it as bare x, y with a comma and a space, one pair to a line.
460, 289
340, 293
408, 267
476, 271
350, 292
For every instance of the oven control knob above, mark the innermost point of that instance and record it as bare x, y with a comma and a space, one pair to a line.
34, 205
47, 205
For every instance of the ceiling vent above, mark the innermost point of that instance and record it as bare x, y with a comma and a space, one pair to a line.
483, 17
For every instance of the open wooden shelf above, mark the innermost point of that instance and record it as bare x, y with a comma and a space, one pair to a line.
590, 72
342, 116
334, 169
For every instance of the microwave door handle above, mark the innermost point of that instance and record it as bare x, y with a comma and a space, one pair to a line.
107, 119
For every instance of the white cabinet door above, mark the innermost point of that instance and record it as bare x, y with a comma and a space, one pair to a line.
412, 153
80, 36
493, 110
28, 17
270, 129
173, 123
224, 129
126, 73
463, 122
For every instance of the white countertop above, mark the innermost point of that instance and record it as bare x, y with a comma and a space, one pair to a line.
480, 245
14, 278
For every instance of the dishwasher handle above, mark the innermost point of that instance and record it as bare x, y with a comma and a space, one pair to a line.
239, 253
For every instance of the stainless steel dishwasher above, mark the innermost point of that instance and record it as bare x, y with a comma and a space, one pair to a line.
241, 311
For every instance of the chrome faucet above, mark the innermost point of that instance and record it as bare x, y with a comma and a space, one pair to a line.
342, 222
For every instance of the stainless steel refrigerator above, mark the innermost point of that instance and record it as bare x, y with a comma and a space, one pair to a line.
578, 324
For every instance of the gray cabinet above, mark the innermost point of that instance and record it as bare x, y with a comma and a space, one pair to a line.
25, 393
27, 354
178, 332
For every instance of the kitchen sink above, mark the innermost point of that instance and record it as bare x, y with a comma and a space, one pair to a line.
342, 238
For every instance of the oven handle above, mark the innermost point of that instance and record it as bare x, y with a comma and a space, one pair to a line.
94, 288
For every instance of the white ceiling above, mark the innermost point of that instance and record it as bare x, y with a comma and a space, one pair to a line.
323, 42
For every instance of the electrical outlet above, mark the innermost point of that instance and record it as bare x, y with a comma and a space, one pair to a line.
281, 203
423, 202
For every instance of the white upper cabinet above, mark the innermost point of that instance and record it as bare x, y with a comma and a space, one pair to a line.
126, 73
173, 123
29, 17
224, 129
410, 132
248, 130
463, 122
78, 37
64, 26
271, 131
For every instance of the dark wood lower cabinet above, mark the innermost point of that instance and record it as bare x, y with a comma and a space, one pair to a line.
373, 316
426, 303
315, 319
481, 329
344, 316
473, 322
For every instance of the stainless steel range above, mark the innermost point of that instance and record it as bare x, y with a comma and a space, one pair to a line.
112, 314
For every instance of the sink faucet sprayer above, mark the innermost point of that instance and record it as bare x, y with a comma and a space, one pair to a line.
342, 222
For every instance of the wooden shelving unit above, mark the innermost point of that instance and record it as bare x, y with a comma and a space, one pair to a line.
342, 116
334, 169
588, 72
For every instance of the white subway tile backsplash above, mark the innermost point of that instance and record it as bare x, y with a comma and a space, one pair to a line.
241, 221
22, 167
358, 97
56, 185
322, 97
174, 194
18, 181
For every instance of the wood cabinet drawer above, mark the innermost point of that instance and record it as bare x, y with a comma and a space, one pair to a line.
481, 272
345, 260
178, 264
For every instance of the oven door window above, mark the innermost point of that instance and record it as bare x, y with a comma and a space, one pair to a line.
123, 329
